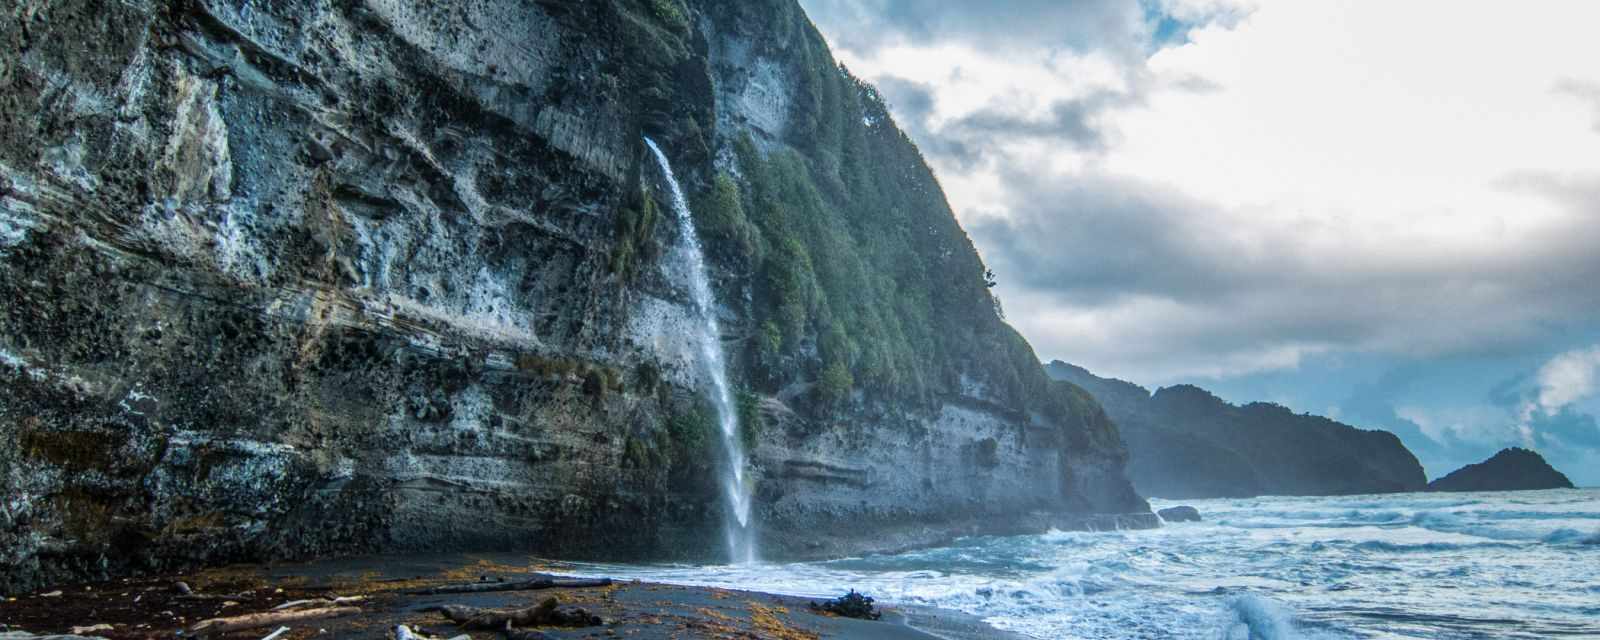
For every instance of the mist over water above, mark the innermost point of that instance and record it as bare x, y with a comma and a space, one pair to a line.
735, 482
1492, 565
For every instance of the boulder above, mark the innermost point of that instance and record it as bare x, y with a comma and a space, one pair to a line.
1180, 514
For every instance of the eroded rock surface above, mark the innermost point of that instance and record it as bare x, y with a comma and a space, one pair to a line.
313, 277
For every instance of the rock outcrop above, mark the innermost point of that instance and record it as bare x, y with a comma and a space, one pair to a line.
1187, 443
1179, 514
315, 277
1514, 469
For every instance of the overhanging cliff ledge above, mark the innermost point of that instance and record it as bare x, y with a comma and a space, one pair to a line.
309, 277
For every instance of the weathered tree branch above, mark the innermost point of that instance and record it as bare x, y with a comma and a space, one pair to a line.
256, 620
318, 602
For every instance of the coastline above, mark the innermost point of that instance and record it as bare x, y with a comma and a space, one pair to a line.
383, 587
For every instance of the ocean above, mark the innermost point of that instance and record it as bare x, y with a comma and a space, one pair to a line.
1477, 565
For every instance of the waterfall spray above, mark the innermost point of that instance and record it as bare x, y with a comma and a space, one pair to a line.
735, 483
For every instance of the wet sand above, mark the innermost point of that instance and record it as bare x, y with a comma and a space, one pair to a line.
154, 608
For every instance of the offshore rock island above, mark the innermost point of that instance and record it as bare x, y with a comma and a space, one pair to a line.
306, 279
1513, 469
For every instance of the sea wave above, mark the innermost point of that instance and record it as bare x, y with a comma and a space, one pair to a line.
1412, 566
1427, 547
1571, 536
1253, 617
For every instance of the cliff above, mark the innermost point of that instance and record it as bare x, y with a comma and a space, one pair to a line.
313, 277
1185, 442
1514, 469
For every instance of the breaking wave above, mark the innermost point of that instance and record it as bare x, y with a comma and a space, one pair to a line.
1402, 566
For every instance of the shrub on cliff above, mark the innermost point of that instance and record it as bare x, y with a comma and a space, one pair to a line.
670, 13
835, 384
635, 228
721, 219
750, 424
687, 435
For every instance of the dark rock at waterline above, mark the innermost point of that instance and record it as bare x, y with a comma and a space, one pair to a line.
851, 605
1180, 514
1514, 469
1184, 443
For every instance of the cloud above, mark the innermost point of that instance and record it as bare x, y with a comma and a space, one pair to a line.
867, 25
1564, 381
1103, 268
1567, 429
1373, 405
1172, 189
1589, 92
1071, 121
1568, 378
1074, 61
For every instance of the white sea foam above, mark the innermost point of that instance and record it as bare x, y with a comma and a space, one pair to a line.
1403, 566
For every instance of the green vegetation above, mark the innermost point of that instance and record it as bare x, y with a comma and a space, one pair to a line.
635, 227
862, 279
750, 421
720, 219
853, 243
687, 435
546, 367
670, 13
680, 446
836, 383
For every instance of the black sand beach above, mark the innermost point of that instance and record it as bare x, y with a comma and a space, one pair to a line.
383, 589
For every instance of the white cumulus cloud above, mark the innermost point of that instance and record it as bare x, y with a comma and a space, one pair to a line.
1568, 378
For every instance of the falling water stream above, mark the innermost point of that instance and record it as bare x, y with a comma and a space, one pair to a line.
735, 482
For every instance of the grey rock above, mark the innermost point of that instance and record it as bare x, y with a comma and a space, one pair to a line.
302, 278
1180, 514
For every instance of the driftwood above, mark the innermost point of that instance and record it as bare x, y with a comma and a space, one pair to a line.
318, 602
403, 632
276, 634
520, 585
543, 614
185, 593
271, 618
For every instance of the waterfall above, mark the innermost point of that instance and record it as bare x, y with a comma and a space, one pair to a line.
735, 483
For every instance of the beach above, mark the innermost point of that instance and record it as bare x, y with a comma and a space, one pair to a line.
381, 593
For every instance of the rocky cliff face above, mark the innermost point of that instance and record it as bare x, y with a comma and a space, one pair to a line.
1514, 469
308, 277
1187, 443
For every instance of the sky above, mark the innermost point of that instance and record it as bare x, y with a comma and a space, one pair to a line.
1387, 213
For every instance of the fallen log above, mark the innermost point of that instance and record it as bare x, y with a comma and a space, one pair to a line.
543, 614
271, 618
521, 585
319, 602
